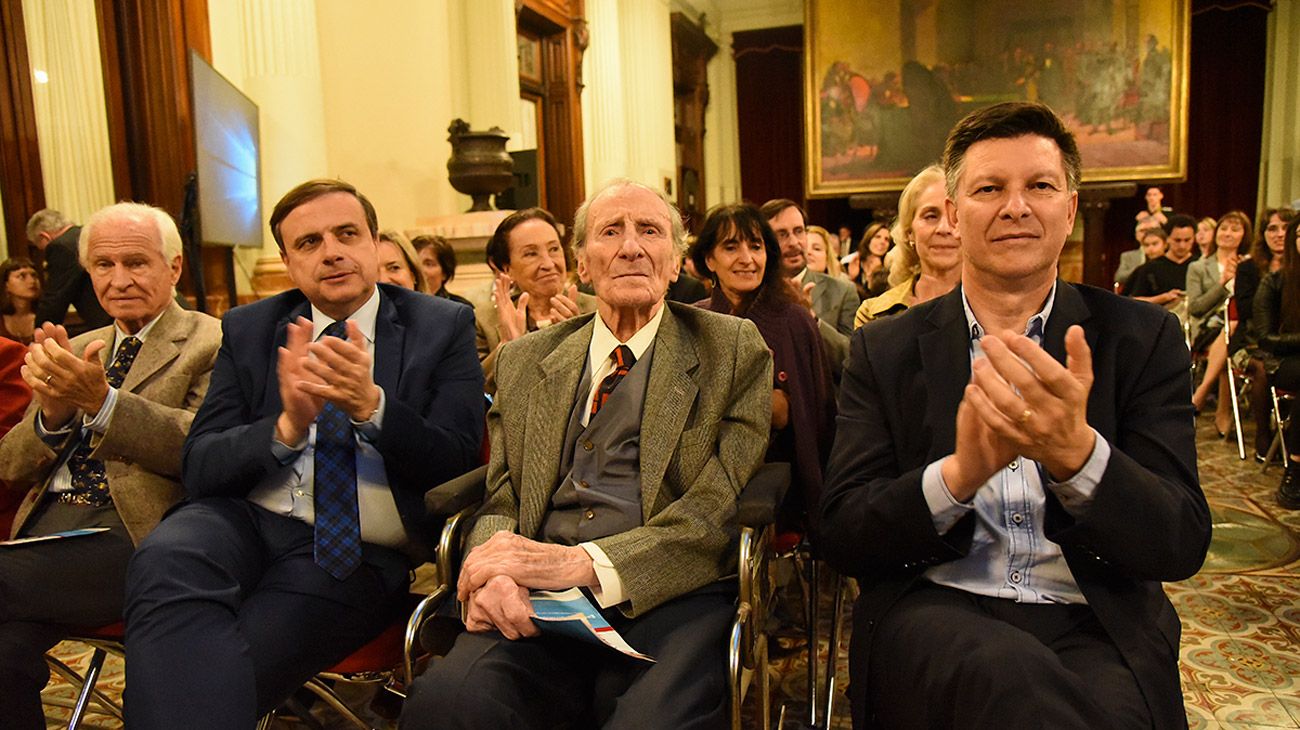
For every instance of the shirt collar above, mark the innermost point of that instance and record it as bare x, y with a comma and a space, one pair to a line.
120, 334
364, 317
603, 340
1033, 328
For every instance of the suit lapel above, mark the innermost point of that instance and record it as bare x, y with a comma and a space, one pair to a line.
549, 406
819, 290
161, 347
1068, 309
390, 341
945, 368
669, 396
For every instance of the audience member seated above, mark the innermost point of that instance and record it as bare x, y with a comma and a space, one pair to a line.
532, 287
1152, 244
1265, 258
101, 443
14, 397
1277, 325
619, 444
867, 268
1164, 280
823, 253
834, 300
929, 255
399, 263
333, 407
66, 282
1210, 281
735, 246
1205, 234
438, 261
1010, 530
21, 288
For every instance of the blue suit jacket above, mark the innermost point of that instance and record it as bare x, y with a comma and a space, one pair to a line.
424, 360
1148, 521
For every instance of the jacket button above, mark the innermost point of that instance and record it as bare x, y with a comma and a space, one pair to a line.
591, 515
586, 445
583, 484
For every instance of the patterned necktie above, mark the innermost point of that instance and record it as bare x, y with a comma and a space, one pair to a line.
338, 521
89, 480
623, 362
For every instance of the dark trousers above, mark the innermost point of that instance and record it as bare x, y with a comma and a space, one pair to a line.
943, 658
227, 613
1287, 377
50, 586
487, 681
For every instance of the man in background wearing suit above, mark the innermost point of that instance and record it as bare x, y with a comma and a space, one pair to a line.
620, 442
333, 408
66, 282
101, 444
834, 301
1011, 528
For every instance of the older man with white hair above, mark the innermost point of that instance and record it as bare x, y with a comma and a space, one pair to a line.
101, 445
665, 410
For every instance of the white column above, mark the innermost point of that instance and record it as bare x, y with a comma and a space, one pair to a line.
604, 129
1279, 170
646, 47
491, 65
269, 49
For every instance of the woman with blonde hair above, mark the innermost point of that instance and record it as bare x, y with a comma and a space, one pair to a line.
399, 264
928, 259
823, 253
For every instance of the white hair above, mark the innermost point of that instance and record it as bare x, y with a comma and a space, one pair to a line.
674, 215
169, 239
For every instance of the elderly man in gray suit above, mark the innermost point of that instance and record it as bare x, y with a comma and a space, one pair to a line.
620, 442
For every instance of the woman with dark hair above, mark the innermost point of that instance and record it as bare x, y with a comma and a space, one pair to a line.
1277, 329
1210, 281
21, 289
1265, 258
438, 261
739, 252
868, 270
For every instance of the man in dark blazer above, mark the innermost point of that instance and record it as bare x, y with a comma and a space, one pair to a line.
627, 491
99, 447
1014, 472
332, 409
66, 281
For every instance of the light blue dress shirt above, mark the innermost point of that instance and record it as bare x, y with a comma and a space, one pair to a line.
1010, 556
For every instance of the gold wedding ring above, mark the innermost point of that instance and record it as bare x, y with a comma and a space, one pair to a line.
48, 378
1025, 416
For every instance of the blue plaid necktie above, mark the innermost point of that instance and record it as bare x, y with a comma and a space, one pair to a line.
338, 522
89, 480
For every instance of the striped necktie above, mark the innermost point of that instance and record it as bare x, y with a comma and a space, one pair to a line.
623, 362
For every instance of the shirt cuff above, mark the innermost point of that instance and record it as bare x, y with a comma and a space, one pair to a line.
369, 428
99, 423
1076, 493
284, 453
51, 438
610, 591
945, 510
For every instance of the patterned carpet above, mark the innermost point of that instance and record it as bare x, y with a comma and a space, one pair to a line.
1240, 614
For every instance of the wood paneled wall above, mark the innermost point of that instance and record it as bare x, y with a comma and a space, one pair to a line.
21, 184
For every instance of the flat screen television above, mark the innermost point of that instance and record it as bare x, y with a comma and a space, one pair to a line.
228, 159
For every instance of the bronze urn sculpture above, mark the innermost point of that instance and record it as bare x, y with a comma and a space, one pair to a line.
479, 166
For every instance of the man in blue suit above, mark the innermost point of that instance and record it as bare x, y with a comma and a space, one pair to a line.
332, 409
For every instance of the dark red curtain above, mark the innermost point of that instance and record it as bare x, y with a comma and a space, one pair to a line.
769, 96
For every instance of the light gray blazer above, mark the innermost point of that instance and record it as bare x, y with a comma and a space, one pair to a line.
1205, 295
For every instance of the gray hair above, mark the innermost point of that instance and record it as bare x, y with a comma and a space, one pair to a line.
169, 239
45, 220
674, 215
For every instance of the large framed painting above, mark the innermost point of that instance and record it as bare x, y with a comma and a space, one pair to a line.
885, 81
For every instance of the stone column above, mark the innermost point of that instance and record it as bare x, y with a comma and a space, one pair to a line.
646, 45
603, 122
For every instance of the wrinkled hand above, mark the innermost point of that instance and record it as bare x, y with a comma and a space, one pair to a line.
528, 563
300, 407
500, 605
1034, 403
512, 316
342, 374
61, 382
564, 306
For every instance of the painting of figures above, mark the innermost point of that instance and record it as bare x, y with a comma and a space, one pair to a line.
885, 81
